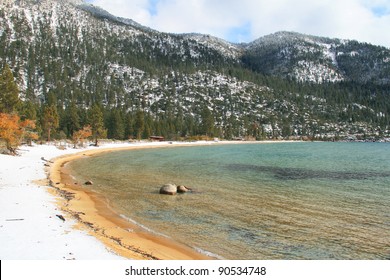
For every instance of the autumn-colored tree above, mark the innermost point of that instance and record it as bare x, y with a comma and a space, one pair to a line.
50, 120
13, 131
80, 135
28, 133
10, 131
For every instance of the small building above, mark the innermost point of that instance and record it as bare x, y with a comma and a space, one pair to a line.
157, 138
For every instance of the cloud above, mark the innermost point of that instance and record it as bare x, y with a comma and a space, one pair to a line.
247, 20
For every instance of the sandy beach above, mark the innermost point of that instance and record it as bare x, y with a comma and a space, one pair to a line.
36, 191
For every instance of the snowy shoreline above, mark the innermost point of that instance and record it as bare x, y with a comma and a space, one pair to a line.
29, 226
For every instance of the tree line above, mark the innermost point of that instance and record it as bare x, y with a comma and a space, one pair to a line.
22, 121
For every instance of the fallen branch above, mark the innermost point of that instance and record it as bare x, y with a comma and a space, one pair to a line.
61, 217
42, 158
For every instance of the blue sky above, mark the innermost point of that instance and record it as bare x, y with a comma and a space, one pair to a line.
380, 11
247, 20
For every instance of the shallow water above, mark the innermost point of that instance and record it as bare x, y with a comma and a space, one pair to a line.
256, 201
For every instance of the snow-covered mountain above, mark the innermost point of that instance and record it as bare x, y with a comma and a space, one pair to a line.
76, 53
317, 59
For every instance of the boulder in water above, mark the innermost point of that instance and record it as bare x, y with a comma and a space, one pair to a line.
183, 189
169, 189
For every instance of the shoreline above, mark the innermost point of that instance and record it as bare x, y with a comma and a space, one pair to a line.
30, 209
30, 223
94, 214
29, 228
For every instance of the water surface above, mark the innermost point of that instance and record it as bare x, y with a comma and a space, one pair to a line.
256, 201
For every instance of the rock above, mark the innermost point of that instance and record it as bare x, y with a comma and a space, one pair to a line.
169, 189
183, 189
89, 183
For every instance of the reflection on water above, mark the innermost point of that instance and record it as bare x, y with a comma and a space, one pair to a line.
276, 201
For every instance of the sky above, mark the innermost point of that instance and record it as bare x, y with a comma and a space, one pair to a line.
242, 21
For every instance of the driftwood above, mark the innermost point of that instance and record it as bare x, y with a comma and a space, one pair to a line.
61, 217
42, 158
14, 220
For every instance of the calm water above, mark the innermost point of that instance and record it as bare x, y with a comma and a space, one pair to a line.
257, 201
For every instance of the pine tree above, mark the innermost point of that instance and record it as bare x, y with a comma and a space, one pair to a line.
207, 125
28, 110
139, 125
97, 123
72, 119
116, 126
9, 92
129, 130
50, 120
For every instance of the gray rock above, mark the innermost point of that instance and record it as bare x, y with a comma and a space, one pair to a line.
169, 189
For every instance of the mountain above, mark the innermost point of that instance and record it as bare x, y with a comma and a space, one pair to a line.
316, 59
74, 55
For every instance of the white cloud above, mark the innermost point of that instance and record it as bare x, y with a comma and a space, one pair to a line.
363, 20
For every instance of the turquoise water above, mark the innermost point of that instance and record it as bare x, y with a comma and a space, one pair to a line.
256, 201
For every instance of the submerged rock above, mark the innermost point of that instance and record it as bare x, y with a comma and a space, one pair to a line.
183, 189
169, 189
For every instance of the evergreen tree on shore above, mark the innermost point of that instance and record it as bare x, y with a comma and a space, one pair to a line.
50, 120
9, 92
96, 121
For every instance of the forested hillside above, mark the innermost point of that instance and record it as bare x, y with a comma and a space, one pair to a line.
75, 66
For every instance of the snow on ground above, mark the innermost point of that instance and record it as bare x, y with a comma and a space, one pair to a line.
29, 227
